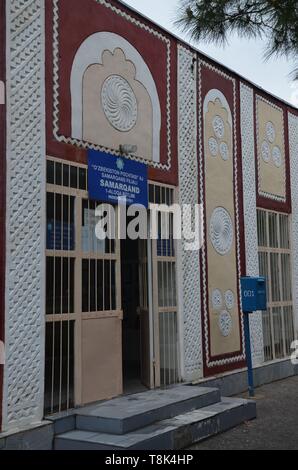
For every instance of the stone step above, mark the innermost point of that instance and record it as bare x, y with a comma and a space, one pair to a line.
128, 413
170, 434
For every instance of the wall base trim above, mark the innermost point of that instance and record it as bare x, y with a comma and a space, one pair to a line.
39, 437
234, 383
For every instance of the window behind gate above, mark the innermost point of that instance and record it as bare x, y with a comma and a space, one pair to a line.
275, 264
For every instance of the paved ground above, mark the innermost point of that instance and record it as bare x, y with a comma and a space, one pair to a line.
276, 426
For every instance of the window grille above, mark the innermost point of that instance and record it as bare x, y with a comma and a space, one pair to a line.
165, 287
275, 264
81, 279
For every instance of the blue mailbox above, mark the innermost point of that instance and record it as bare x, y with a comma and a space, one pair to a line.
253, 292
254, 298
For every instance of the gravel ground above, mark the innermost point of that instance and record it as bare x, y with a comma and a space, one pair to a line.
276, 426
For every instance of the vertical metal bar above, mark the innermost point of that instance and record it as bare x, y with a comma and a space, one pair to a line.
173, 347
169, 347
248, 355
164, 326
68, 335
103, 285
111, 305
117, 248
96, 284
281, 285
89, 256
150, 304
78, 208
68, 301
270, 287
61, 303
54, 297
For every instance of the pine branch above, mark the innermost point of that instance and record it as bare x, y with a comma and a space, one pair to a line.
274, 20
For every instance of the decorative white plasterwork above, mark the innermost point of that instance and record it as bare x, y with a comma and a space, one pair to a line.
250, 211
25, 220
216, 145
271, 135
221, 231
2, 92
225, 323
270, 132
230, 299
76, 127
190, 304
293, 145
218, 124
91, 52
119, 103
217, 299
211, 96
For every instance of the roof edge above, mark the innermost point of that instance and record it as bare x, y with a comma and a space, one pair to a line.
204, 55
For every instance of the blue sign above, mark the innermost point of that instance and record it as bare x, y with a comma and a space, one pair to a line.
111, 178
253, 290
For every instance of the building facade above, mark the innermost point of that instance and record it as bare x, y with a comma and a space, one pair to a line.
82, 320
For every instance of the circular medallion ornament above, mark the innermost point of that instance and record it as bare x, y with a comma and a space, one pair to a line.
224, 151
213, 146
221, 231
266, 151
270, 132
219, 127
276, 156
217, 299
119, 103
230, 299
225, 323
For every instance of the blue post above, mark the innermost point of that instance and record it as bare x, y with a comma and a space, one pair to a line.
248, 356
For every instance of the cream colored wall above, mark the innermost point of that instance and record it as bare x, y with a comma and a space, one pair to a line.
271, 178
96, 127
101, 359
222, 273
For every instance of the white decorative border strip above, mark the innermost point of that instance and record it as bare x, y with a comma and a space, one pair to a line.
265, 194
87, 145
250, 210
25, 216
189, 279
293, 145
240, 357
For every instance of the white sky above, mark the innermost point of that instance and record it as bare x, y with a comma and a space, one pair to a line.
243, 56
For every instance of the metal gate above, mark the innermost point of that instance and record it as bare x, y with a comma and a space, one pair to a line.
165, 291
83, 286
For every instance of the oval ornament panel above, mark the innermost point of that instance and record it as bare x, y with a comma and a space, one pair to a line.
217, 299
221, 231
225, 323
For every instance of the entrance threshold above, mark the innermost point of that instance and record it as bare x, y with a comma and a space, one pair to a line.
156, 419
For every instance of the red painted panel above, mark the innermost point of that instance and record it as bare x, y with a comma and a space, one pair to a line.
86, 17
2, 194
210, 80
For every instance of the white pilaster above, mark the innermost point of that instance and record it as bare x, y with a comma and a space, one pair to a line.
25, 223
250, 211
189, 266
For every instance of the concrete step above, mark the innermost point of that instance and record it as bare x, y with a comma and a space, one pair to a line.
169, 434
128, 413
